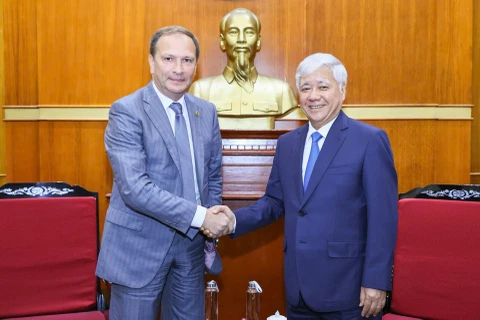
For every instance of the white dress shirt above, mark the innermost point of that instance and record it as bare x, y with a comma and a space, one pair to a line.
308, 142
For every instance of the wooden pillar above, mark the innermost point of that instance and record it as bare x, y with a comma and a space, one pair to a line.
3, 152
475, 149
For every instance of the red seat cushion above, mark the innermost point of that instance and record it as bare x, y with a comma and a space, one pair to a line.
48, 250
92, 315
437, 262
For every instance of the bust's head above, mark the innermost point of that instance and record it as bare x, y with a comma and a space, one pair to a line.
244, 98
240, 37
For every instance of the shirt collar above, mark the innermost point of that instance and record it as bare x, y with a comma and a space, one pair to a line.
323, 130
229, 76
166, 101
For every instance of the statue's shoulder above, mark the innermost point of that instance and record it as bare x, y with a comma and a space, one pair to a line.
197, 100
201, 87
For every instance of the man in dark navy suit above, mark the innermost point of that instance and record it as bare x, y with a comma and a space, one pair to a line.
335, 182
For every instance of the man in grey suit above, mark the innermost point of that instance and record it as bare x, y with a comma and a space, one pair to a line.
165, 150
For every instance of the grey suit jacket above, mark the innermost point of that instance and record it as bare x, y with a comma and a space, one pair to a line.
146, 206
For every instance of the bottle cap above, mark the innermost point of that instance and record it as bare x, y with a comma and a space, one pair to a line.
254, 284
212, 284
277, 316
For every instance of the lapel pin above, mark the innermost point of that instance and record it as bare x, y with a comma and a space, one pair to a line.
197, 113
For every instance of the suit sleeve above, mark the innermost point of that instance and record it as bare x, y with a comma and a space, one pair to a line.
268, 208
381, 192
124, 145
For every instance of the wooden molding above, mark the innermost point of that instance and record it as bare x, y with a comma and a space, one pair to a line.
357, 111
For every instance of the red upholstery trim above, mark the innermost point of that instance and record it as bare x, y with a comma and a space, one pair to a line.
391, 316
92, 315
48, 255
437, 261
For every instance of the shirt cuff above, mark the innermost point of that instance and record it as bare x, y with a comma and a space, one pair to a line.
199, 217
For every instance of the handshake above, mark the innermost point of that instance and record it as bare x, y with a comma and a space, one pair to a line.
219, 221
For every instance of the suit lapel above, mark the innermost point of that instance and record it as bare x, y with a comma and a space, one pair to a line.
195, 127
156, 112
298, 148
334, 140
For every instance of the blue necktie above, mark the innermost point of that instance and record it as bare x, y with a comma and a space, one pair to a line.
183, 147
312, 158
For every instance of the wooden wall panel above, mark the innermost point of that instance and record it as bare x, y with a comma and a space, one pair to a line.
395, 51
429, 151
20, 39
90, 52
413, 145
3, 149
475, 146
385, 46
475, 179
454, 51
22, 151
452, 161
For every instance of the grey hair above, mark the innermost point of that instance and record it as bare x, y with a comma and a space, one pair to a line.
165, 31
320, 60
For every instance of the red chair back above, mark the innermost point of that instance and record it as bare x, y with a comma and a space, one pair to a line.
437, 261
48, 249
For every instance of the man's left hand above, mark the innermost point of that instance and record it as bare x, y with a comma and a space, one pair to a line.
372, 301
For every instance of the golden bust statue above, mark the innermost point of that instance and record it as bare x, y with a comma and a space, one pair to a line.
244, 98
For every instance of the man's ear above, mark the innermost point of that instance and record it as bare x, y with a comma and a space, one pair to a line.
151, 62
259, 43
222, 43
344, 90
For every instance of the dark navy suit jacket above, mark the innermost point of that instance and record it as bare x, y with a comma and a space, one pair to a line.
340, 234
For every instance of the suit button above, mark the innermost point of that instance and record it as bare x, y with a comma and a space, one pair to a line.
302, 213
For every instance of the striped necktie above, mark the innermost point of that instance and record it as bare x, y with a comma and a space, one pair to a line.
183, 147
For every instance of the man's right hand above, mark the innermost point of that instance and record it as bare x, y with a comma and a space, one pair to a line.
216, 225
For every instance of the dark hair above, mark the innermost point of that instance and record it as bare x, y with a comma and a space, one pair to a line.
172, 30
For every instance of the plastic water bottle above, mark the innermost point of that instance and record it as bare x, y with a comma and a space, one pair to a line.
253, 301
211, 301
